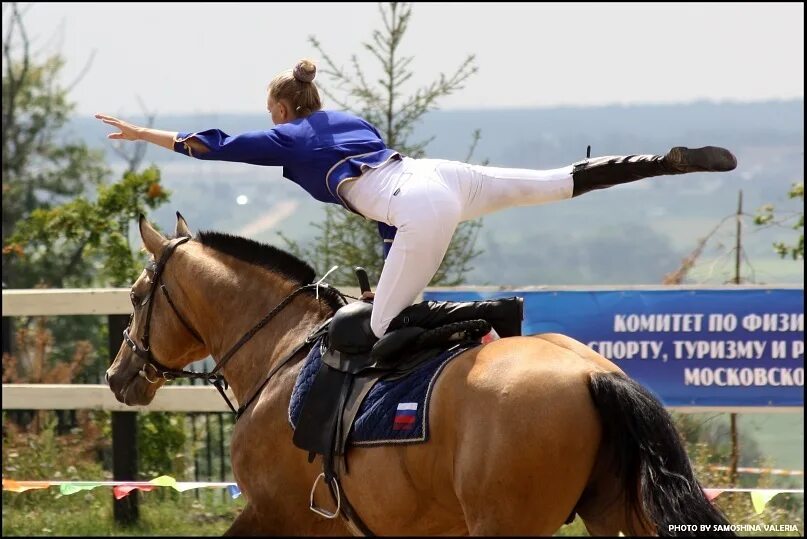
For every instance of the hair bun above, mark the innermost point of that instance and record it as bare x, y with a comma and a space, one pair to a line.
305, 71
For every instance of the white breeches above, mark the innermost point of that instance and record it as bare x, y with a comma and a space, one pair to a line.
426, 199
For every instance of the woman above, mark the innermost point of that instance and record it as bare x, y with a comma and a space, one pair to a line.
340, 158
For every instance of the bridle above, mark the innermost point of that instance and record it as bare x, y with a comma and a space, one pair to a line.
214, 376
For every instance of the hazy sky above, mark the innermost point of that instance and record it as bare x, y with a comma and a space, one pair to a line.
216, 57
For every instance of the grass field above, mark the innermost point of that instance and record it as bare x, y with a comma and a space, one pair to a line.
46, 513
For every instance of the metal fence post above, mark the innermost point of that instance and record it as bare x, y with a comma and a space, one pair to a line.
124, 436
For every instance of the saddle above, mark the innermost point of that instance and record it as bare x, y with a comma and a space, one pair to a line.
354, 360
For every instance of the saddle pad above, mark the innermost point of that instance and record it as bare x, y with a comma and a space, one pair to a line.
394, 411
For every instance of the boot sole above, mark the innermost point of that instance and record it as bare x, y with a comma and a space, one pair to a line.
706, 159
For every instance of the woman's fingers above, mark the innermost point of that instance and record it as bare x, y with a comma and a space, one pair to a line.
108, 119
126, 129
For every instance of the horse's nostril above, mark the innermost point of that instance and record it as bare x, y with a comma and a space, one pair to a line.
106, 377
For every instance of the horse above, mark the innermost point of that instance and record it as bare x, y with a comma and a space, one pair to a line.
525, 431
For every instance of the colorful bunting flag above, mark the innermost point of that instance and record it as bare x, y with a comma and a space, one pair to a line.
120, 489
712, 493
22, 486
761, 497
72, 488
234, 491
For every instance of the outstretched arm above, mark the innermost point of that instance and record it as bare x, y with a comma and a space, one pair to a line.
130, 131
269, 148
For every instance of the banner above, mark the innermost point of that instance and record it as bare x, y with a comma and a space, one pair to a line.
691, 347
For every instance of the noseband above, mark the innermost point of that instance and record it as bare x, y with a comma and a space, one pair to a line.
214, 377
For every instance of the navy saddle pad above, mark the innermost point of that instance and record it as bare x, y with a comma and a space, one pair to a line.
394, 411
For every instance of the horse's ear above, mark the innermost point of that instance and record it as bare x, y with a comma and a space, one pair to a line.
152, 239
182, 229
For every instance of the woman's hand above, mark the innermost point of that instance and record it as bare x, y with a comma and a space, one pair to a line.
127, 131
367, 296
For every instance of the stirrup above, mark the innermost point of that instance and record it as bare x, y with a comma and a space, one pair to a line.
323, 512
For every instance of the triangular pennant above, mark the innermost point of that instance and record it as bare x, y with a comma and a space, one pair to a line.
121, 491
22, 486
72, 488
760, 498
712, 493
164, 481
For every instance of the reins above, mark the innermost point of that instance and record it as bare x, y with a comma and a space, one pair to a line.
214, 376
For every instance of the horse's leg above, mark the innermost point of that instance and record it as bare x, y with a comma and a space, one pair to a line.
248, 522
524, 458
604, 507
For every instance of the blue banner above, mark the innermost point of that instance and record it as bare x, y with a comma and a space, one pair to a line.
697, 347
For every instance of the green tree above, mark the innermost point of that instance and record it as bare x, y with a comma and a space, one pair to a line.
766, 217
63, 224
40, 166
346, 239
90, 234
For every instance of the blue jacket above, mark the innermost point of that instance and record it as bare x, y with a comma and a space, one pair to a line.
318, 153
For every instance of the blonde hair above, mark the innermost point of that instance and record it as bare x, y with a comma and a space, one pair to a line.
297, 87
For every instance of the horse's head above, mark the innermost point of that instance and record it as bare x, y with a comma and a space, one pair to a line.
159, 338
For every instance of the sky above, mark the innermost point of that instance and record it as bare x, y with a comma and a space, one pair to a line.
193, 58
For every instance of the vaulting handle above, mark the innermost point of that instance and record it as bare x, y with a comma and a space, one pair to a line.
322, 512
364, 282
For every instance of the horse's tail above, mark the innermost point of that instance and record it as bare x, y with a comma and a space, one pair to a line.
658, 481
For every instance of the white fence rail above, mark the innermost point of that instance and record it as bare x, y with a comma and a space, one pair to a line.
100, 397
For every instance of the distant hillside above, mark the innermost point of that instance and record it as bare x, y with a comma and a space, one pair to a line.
631, 234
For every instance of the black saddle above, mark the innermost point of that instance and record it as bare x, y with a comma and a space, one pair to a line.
353, 360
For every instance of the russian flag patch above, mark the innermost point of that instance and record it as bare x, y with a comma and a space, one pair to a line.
405, 416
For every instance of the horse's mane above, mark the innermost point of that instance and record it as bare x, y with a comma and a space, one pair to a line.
269, 257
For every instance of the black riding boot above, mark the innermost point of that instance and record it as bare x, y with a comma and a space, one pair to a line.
602, 172
505, 315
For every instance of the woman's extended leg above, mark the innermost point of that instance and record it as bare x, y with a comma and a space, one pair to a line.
484, 190
439, 194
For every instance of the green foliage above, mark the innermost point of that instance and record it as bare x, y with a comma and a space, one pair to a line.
61, 225
84, 242
766, 217
41, 165
89, 514
347, 239
80, 455
704, 453
45, 455
64, 227
161, 439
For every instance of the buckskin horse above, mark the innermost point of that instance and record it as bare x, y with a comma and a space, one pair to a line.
525, 432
